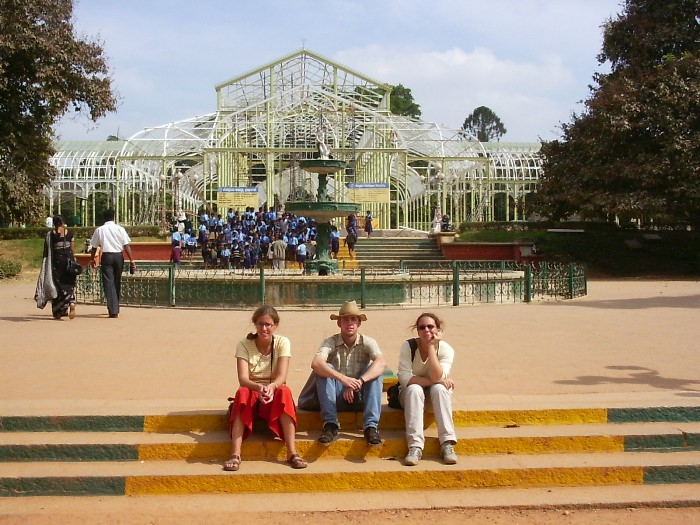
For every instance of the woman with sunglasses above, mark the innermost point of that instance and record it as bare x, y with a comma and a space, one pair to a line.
262, 361
424, 375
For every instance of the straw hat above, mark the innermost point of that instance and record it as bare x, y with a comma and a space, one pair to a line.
349, 308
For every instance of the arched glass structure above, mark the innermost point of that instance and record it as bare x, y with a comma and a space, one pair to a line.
266, 122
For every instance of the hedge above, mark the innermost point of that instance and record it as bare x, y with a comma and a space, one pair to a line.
9, 268
8, 234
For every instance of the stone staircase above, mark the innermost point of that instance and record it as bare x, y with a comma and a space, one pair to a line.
172, 454
388, 253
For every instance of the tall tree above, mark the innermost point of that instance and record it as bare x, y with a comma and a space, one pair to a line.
484, 124
634, 152
402, 102
45, 71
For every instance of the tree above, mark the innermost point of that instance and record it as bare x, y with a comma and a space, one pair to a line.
484, 124
634, 152
402, 102
45, 71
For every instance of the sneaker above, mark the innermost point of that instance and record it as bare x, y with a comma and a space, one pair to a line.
413, 456
329, 434
372, 436
447, 451
71, 311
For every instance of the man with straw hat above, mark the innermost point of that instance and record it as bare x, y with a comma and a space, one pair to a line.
349, 367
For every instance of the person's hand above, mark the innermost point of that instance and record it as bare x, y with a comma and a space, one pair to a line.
132, 267
349, 395
435, 338
448, 383
351, 383
93, 263
267, 392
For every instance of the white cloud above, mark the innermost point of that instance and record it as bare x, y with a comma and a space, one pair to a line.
528, 60
450, 84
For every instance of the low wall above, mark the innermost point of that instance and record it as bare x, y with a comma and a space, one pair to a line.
142, 251
490, 251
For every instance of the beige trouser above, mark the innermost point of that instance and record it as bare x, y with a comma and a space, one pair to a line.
439, 402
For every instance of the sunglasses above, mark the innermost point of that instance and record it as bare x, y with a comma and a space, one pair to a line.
264, 325
424, 326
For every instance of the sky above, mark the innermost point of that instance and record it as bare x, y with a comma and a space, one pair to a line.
530, 61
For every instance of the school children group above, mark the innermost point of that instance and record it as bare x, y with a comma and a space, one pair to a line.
240, 240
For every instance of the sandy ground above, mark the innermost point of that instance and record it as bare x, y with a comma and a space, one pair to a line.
628, 343
457, 516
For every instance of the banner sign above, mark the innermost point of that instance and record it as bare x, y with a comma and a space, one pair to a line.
238, 198
369, 192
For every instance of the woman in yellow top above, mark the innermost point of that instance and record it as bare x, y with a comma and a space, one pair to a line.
262, 361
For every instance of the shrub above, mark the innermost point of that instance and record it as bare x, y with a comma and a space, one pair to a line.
9, 268
7, 234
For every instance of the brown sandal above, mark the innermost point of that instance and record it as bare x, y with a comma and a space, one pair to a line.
297, 462
233, 463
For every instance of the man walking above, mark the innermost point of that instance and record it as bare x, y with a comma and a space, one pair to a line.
112, 239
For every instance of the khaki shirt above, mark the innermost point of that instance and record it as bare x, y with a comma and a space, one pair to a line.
349, 361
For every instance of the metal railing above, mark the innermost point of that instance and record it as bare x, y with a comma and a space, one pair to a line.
444, 283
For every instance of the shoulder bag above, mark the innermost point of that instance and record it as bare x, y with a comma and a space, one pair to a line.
394, 391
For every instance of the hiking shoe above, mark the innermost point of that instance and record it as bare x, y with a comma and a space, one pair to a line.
329, 434
447, 451
413, 456
372, 436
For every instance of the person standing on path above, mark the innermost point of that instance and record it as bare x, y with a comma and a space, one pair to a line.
368, 223
112, 239
279, 252
56, 283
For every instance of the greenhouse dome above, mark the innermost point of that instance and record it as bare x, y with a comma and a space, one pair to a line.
267, 121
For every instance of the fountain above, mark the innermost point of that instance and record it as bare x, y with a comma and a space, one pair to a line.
323, 210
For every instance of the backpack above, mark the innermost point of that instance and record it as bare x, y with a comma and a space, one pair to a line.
392, 393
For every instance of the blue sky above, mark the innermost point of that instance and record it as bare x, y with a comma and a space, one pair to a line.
530, 61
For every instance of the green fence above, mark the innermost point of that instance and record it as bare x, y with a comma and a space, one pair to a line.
449, 283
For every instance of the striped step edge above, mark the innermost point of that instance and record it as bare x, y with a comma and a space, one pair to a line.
392, 419
258, 449
326, 482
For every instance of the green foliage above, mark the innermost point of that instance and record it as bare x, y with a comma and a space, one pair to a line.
484, 124
402, 103
9, 268
80, 231
607, 250
635, 150
45, 71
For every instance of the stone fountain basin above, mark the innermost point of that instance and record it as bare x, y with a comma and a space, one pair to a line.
322, 211
322, 166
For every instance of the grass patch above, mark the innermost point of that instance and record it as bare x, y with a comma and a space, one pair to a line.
29, 252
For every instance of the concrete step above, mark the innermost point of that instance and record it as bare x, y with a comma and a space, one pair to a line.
182, 453
569, 504
391, 419
340, 475
135, 446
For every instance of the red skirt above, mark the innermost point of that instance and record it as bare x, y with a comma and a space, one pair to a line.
247, 405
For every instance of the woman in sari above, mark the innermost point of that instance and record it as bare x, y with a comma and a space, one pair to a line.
56, 283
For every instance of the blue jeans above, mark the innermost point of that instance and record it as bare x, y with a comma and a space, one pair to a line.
330, 397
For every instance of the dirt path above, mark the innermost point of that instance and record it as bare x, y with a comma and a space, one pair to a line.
626, 341
512, 516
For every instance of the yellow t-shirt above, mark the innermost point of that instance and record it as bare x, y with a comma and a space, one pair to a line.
261, 367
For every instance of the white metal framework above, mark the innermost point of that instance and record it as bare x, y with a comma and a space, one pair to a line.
266, 122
